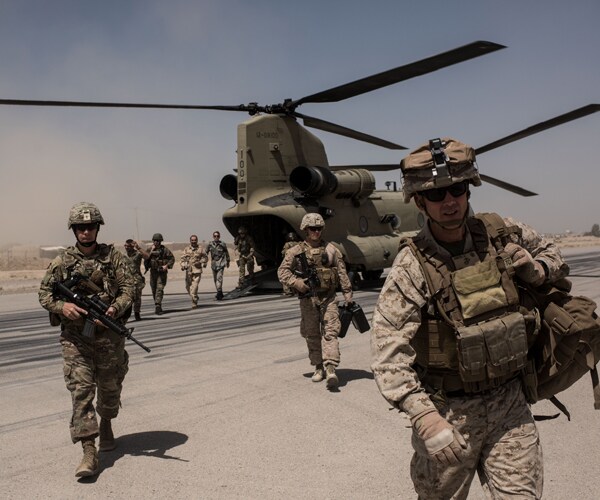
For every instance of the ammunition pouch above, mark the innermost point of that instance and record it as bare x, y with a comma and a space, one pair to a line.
492, 349
327, 279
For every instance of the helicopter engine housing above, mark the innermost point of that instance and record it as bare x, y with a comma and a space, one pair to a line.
320, 181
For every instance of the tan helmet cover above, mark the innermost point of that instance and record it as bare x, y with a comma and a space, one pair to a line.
420, 173
84, 213
312, 220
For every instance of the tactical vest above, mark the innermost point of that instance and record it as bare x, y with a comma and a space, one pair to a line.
157, 258
244, 245
323, 259
100, 270
474, 333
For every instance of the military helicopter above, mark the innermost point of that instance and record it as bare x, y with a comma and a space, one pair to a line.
282, 173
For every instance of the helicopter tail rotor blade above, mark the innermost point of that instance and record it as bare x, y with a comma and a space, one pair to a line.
402, 73
317, 123
505, 185
89, 104
539, 127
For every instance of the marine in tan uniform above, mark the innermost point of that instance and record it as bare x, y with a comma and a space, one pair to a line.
449, 338
244, 246
320, 321
136, 255
97, 362
193, 261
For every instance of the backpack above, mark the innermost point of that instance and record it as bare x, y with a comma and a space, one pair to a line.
568, 343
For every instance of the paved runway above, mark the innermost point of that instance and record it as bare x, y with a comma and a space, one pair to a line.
224, 407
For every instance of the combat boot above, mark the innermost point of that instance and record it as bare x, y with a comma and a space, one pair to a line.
107, 438
332, 379
158, 310
219, 295
319, 374
138, 317
89, 462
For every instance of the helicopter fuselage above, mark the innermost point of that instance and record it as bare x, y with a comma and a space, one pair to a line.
283, 173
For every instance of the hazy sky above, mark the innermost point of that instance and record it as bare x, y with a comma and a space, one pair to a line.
153, 170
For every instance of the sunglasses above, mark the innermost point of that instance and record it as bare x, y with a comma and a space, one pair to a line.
438, 194
315, 229
82, 227
216, 235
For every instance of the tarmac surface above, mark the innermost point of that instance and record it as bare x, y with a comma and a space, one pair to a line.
223, 407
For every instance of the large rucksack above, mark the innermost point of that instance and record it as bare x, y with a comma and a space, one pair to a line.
568, 343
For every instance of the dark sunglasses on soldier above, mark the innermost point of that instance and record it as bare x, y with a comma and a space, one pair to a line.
83, 227
438, 194
315, 228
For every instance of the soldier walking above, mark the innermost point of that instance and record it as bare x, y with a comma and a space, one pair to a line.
160, 260
136, 256
97, 361
320, 321
244, 246
219, 260
450, 336
193, 261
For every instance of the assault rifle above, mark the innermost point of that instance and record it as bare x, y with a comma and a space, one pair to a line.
95, 307
309, 274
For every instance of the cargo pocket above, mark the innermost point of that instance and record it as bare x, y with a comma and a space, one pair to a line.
506, 344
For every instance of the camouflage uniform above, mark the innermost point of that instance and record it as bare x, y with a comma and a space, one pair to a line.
159, 256
244, 245
136, 259
193, 260
502, 439
100, 363
287, 246
219, 259
451, 332
320, 321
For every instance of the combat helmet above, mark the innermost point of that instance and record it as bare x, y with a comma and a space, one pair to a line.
157, 237
439, 163
84, 212
312, 220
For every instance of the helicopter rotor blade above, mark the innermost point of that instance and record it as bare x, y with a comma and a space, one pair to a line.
505, 185
385, 167
539, 127
380, 167
88, 104
401, 73
317, 123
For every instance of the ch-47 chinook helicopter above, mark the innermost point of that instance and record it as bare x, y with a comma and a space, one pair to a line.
282, 173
